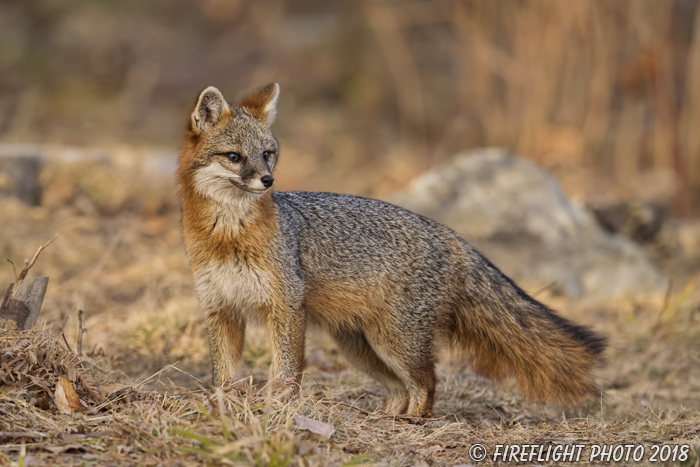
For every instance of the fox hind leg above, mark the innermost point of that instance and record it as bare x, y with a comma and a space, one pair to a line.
354, 346
409, 355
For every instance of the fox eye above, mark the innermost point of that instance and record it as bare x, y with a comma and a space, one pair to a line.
266, 155
233, 156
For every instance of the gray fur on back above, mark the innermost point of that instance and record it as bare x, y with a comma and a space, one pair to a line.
368, 243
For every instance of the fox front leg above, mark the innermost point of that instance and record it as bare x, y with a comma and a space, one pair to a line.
226, 336
287, 328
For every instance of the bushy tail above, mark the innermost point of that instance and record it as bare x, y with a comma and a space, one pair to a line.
508, 333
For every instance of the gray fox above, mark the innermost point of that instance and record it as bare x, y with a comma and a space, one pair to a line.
388, 285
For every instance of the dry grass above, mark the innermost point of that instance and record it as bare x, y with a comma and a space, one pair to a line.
145, 377
254, 425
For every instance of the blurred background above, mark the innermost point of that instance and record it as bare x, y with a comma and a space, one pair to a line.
604, 94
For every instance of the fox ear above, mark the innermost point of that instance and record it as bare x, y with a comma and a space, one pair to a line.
208, 109
262, 103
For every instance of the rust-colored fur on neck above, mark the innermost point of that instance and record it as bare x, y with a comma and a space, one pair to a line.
208, 237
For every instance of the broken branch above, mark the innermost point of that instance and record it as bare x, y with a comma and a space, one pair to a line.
81, 330
28, 264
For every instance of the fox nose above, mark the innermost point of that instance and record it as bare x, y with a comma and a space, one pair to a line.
267, 180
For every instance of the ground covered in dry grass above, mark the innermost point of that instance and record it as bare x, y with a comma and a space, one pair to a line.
143, 383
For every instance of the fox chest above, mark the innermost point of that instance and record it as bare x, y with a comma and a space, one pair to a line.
233, 284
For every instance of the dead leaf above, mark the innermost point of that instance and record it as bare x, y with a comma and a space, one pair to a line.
314, 426
66, 399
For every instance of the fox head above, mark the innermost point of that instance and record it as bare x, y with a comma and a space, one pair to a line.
229, 150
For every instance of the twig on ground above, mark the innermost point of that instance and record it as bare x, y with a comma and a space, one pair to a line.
63, 333
66, 341
140, 385
81, 330
28, 264
345, 404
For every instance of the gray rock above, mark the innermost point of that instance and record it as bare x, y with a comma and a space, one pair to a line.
19, 178
517, 215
